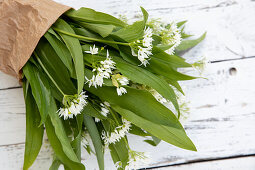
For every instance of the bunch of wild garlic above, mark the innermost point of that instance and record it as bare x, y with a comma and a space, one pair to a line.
93, 74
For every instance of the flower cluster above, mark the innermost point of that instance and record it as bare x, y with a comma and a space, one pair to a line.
103, 70
136, 160
119, 81
118, 133
104, 110
169, 33
73, 105
142, 48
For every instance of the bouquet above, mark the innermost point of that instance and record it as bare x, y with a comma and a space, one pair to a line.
93, 78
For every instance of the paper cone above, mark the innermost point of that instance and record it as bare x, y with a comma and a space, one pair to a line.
22, 24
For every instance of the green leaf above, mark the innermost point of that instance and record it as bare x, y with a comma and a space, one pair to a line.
96, 139
161, 68
119, 152
40, 89
174, 135
171, 60
55, 67
181, 23
140, 102
103, 30
154, 142
55, 164
62, 51
86, 33
58, 149
91, 111
60, 132
142, 76
187, 44
75, 49
137, 131
91, 16
134, 31
40, 85
34, 133
76, 143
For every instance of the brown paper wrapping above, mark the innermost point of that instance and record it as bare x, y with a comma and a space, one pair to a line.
22, 24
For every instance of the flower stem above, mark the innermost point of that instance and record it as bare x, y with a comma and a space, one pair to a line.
46, 71
115, 118
90, 38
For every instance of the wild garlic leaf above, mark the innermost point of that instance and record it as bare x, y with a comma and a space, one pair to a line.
34, 132
140, 102
134, 31
47, 106
161, 68
103, 30
96, 139
91, 16
40, 89
174, 135
62, 52
187, 44
91, 111
119, 152
75, 49
171, 60
55, 66
60, 131
142, 76
58, 149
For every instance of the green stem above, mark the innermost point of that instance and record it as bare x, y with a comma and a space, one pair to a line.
115, 118
46, 71
89, 38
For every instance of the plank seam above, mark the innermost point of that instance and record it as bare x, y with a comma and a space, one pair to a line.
233, 59
200, 161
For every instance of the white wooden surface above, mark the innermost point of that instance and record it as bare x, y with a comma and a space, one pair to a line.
221, 122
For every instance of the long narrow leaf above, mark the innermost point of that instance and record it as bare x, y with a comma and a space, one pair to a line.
75, 49
172, 135
34, 133
96, 139
58, 149
140, 102
142, 76
92, 16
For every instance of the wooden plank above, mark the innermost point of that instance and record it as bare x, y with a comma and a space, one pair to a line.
221, 122
247, 163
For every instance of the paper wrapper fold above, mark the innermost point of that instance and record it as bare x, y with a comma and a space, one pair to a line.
22, 24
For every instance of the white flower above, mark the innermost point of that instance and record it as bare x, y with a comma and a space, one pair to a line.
92, 50
118, 133
99, 80
107, 104
148, 32
118, 164
75, 107
137, 160
143, 47
123, 80
97, 120
104, 70
104, 110
121, 90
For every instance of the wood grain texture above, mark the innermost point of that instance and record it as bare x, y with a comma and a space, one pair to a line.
221, 122
226, 164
